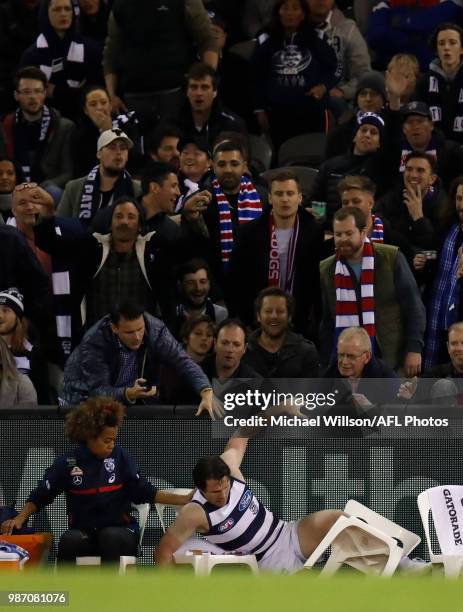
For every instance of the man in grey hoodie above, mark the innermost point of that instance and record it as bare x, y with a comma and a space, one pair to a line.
349, 45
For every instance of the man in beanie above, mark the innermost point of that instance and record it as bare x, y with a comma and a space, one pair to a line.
370, 156
105, 183
370, 97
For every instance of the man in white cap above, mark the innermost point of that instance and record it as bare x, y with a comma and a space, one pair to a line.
106, 182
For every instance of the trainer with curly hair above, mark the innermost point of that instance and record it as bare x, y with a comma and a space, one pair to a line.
100, 480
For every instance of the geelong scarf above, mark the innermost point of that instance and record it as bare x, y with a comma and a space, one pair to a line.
62, 303
21, 151
377, 233
349, 311
91, 196
52, 61
274, 272
249, 208
444, 306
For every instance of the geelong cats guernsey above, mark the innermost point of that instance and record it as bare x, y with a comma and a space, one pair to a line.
243, 525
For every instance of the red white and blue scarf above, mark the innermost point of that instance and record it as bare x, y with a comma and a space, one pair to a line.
249, 208
377, 233
349, 311
274, 271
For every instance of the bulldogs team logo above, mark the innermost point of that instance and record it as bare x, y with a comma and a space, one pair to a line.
109, 464
245, 501
76, 471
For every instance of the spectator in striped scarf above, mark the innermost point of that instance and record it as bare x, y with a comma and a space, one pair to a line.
369, 284
359, 192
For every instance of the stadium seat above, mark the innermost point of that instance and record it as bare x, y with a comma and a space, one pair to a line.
124, 560
303, 150
305, 175
203, 555
441, 512
161, 508
365, 541
260, 152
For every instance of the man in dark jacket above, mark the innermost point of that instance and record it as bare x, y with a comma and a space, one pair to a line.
370, 156
203, 114
235, 201
417, 133
231, 342
357, 365
108, 268
120, 357
161, 35
19, 267
281, 248
415, 207
36, 136
275, 351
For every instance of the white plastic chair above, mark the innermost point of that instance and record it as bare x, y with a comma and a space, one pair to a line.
444, 506
161, 508
364, 540
203, 561
124, 560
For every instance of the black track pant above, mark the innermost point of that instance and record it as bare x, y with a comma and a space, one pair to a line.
108, 543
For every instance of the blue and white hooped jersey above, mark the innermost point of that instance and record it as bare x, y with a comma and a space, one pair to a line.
243, 525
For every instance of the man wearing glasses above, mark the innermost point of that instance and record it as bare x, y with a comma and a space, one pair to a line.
37, 136
356, 372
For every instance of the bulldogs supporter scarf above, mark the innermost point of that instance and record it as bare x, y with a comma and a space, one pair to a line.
21, 151
249, 208
91, 197
349, 311
377, 233
444, 307
274, 271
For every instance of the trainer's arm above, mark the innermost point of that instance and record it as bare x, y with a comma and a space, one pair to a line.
18, 521
190, 519
172, 499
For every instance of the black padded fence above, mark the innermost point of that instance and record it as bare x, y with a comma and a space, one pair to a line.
292, 477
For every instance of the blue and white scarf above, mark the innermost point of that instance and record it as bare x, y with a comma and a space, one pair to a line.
444, 306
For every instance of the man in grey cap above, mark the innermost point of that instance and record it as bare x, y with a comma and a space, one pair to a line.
106, 182
419, 134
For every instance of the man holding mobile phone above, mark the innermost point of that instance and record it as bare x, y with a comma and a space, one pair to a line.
120, 357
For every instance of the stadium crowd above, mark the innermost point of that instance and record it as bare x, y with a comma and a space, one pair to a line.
154, 236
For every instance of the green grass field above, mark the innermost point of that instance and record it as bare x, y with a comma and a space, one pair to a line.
92, 590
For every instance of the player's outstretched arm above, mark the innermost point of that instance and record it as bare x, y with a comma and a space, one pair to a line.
234, 453
190, 520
